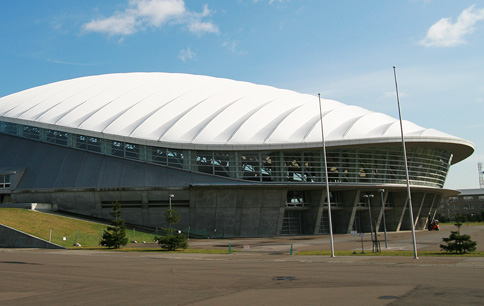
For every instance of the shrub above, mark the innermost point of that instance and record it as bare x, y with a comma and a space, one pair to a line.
457, 243
172, 242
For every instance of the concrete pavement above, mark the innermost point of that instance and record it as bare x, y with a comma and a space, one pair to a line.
426, 241
66, 277
81, 277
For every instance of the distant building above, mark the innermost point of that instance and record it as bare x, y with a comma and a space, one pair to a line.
233, 158
469, 202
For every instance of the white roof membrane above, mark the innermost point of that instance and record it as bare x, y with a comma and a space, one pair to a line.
200, 112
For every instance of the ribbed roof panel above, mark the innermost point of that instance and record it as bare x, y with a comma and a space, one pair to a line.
200, 112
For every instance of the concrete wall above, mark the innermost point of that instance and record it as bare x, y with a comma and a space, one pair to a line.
237, 211
241, 211
12, 238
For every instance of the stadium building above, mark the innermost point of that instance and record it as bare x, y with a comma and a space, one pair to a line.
233, 158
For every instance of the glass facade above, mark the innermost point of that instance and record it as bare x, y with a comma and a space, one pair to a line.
4, 181
357, 165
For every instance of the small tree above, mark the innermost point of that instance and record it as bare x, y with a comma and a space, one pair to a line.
172, 217
170, 241
457, 243
115, 235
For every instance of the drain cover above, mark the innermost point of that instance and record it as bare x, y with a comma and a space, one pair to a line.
279, 278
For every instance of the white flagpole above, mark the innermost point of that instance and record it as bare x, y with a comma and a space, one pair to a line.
327, 179
410, 209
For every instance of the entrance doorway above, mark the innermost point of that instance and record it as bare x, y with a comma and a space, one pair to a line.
291, 225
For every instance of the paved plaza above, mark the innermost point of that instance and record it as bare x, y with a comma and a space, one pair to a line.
81, 277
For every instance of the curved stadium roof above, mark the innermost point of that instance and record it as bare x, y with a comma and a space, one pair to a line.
200, 112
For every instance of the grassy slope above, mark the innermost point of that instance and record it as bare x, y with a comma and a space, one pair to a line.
88, 234
39, 224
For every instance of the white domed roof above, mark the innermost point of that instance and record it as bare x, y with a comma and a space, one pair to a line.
201, 112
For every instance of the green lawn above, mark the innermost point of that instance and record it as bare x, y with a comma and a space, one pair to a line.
158, 250
463, 223
60, 230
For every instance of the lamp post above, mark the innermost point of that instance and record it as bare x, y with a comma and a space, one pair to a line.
381, 191
169, 199
368, 196
171, 196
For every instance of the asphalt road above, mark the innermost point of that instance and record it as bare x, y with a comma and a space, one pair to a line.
77, 277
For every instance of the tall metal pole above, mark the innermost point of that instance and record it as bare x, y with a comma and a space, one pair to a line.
381, 191
412, 222
327, 180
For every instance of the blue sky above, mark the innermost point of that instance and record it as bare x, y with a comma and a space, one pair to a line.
343, 49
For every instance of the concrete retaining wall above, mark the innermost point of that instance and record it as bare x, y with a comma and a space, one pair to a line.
12, 238
31, 206
44, 206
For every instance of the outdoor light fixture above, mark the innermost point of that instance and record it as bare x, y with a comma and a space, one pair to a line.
171, 196
169, 199
381, 191
368, 196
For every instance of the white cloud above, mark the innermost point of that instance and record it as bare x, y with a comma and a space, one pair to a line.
114, 25
444, 33
233, 47
392, 95
186, 54
142, 14
68, 63
156, 12
199, 27
424, 1
270, 1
